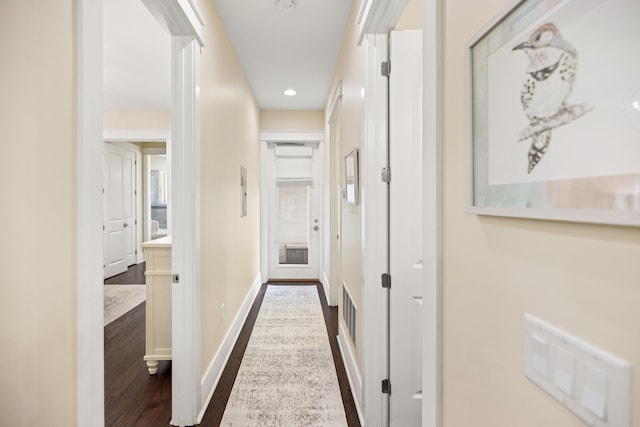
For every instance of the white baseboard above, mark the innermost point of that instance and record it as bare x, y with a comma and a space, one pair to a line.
140, 257
355, 380
214, 371
325, 285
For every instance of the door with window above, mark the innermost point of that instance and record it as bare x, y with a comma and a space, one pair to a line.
294, 221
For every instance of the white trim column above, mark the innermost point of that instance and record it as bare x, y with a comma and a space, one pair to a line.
432, 213
89, 299
185, 260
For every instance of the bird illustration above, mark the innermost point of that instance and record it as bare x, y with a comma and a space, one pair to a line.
548, 82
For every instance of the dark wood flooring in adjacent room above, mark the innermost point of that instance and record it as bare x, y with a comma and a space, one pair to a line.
134, 398
133, 276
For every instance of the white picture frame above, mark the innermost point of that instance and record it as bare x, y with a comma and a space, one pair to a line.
351, 172
569, 148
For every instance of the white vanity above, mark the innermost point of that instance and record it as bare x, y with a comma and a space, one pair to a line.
158, 323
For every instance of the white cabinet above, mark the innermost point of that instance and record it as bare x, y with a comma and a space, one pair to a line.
158, 323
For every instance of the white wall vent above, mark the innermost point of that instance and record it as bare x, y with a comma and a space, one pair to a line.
349, 314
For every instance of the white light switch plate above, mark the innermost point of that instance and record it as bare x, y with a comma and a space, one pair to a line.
590, 382
564, 376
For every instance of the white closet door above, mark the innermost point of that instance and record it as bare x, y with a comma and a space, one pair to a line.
405, 222
119, 209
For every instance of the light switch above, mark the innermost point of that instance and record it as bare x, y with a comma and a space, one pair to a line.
590, 382
594, 392
540, 356
565, 371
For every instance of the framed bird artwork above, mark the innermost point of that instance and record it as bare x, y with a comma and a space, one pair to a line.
554, 112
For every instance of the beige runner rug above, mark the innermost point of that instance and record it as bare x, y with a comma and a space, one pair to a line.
287, 376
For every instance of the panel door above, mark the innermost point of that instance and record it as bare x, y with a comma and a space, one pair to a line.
119, 210
405, 222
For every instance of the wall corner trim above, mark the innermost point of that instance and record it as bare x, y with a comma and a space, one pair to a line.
213, 373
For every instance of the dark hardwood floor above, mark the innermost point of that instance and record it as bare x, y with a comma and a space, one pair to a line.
133, 397
133, 276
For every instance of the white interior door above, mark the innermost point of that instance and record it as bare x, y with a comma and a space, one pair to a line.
119, 209
405, 222
294, 217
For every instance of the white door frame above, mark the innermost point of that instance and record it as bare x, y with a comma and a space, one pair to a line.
184, 22
375, 107
432, 40
267, 138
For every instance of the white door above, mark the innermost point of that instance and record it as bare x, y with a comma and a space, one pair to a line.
405, 222
335, 204
294, 220
119, 209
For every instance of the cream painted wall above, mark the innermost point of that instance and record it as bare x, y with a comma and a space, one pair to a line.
37, 189
137, 119
349, 71
411, 18
230, 256
584, 279
291, 120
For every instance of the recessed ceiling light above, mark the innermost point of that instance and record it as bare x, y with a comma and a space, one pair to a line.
289, 92
285, 5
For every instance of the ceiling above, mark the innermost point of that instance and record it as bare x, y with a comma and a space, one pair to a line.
296, 49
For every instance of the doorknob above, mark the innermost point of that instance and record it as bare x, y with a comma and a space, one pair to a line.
316, 228
126, 225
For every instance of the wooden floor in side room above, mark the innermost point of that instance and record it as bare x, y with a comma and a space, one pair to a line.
133, 276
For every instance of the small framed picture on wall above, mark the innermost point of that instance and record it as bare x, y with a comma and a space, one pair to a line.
351, 177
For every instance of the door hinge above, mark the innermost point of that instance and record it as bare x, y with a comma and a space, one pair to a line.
386, 386
385, 68
386, 174
104, 228
386, 280
136, 252
175, 278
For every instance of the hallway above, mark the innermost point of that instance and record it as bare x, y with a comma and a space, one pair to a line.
135, 398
